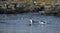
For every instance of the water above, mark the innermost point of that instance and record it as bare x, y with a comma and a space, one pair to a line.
19, 23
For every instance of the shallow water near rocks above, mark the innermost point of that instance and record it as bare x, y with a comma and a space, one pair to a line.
19, 23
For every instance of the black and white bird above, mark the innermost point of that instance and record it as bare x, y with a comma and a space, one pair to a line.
42, 22
31, 22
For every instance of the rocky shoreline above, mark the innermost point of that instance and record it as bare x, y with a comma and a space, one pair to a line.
24, 8
21, 9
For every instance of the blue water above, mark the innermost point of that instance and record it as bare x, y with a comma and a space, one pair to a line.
19, 23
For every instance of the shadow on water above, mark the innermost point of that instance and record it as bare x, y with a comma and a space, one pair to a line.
34, 24
4, 22
7, 23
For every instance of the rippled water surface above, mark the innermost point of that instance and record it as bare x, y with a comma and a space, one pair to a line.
19, 23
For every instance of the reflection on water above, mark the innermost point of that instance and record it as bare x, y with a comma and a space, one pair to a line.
19, 23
